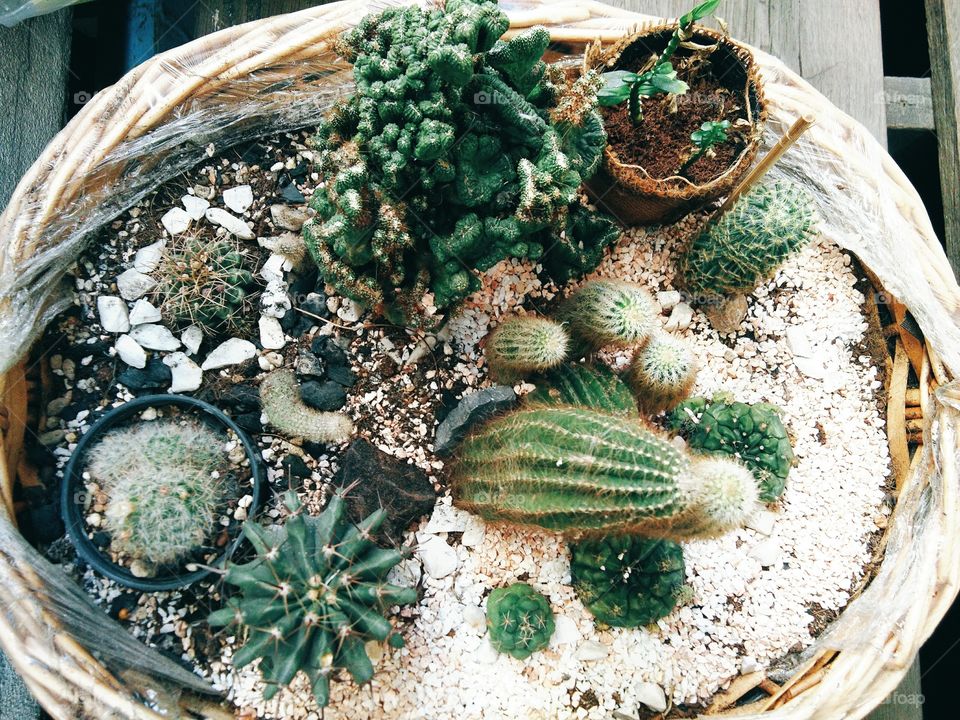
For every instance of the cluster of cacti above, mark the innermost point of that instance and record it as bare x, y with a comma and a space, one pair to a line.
591, 386
584, 472
628, 581
525, 344
747, 244
165, 482
662, 373
286, 411
313, 597
519, 619
609, 312
457, 150
753, 433
204, 282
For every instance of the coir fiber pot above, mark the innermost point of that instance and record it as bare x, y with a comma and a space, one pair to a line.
73, 490
627, 191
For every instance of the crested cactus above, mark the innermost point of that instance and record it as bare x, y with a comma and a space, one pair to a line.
662, 373
752, 433
584, 472
746, 245
313, 596
595, 387
609, 312
525, 344
287, 412
628, 581
520, 620
457, 150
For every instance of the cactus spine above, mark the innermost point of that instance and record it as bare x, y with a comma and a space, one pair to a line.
522, 345
520, 620
609, 312
662, 373
287, 412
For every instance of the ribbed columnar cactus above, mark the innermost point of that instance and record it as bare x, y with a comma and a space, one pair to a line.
313, 596
457, 150
595, 387
286, 411
523, 345
584, 472
662, 373
609, 312
753, 433
747, 244
628, 581
520, 620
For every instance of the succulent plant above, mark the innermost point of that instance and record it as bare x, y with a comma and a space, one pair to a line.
747, 244
608, 312
165, 481
286, 411
584, 472
595, 387
457, 150
525, 344
312, 597
662, 373
628, 581
205, 282
520, 620
752, 433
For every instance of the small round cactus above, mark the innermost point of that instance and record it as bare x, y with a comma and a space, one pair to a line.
520, 620
628, 581
725, 492
287, 412
662, 373
591, 386
523, 345
609, 312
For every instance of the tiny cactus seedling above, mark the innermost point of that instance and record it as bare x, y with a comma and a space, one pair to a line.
628, 581
523, 345
662, 373
313, 597
710, 134
520, 620
753, 433
609, 312
287, 412
595, 387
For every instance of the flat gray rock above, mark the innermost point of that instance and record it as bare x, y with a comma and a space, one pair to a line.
472, 410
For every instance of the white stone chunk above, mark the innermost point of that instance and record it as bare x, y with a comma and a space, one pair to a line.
186, 374
131, 353
239, 198
475, 617
811, 367
438, 558
113, 314
272, 270
230, 352
274, 300
195, 206
766, 552
651, 695
447, 518
762, 521
798, 341
566, 632
148, 258
175, 221
271, 333
680, 318
591, 651
155, 337
144, 312
134, 284
350, 310
231, 223
668, 299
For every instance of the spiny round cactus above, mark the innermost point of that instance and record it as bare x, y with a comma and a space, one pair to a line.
584, 472
609, 312
628, 581
662, 373
747, 244
205, 282
753, 433
312, 598
591, 386
165, 481
286, 411
522, 345
520, 620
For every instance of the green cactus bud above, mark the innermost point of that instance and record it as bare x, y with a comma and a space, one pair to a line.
583, 472
313, 596
746, 245
609, 312
662, 373
520, 620
627, 581
753, 433
594, 387
525, 344
287, 412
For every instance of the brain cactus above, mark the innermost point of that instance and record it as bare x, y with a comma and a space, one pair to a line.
609, 312
590, 386
747, 244
457, 150
662, 373
519, 619
584, 472
312, 597
522, 345
753, 433
628, 581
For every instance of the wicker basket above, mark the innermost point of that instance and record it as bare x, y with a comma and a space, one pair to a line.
48, 628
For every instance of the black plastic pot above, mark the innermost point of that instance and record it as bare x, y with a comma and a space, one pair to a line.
73, 490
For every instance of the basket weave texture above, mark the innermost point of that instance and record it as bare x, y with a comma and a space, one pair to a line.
280, 73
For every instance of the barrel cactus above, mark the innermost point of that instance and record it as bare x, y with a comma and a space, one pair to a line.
662, 373
312, 597
522, 345
520, 620
594, 387
752, 433
585, 472
609, 312
628, 581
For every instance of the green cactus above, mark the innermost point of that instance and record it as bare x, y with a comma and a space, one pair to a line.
457, 150
662, 373
628, 581
753, 433
746, 245
595, 387
287, 412
205, 282
520, 620
165, 482
525, 344
608, 312
584, 472
312, 597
